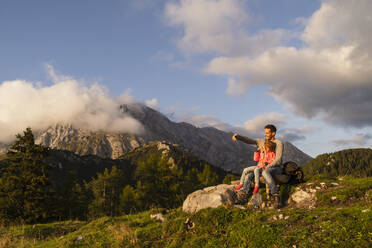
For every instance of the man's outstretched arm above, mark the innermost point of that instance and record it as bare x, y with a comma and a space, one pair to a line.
244, 139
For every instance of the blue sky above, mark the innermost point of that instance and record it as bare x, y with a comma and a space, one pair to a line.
184, 62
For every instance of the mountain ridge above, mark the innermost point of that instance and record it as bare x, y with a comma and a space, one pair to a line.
208, 143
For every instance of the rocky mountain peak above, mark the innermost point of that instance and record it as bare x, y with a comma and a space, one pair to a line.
210, 144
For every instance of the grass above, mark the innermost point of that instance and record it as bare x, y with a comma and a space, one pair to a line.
346, 222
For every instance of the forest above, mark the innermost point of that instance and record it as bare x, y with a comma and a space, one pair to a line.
36, 188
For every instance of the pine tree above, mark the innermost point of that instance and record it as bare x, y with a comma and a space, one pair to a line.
208, 177
25, 191
106, 189
129, 200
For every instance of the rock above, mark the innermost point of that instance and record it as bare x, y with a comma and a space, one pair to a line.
334, 184
239, 206
303, 199
79, 238
189, 224
312, 190
322, 184
300, 196
157, 217
281, 216
274, 218
210, 197
286, 218
365, 211
317, 187
256, 200
333, 198
241, 197
235, 182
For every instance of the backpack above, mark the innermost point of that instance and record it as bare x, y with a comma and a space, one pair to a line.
296, 173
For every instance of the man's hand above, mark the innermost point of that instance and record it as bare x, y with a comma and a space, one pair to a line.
234, 137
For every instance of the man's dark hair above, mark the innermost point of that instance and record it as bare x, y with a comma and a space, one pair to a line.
271, 127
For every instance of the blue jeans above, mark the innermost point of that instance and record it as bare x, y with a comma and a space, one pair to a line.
268, 176
247, 177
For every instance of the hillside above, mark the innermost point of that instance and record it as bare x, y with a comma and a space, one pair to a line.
344, 222
354, 162
208, 143
156, 174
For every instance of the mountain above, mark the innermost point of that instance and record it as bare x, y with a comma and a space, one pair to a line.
208, 143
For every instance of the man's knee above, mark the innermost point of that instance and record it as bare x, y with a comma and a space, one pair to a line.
266, 173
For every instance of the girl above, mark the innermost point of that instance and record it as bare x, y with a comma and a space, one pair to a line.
267, 156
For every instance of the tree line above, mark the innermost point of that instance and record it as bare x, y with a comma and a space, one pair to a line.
352, 162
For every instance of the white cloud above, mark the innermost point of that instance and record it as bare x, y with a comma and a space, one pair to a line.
253, 128
219, 26
25, 104
329, 76
207, 121
257, 124
153, 103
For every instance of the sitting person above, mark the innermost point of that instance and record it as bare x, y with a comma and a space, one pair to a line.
267, 156
272, 168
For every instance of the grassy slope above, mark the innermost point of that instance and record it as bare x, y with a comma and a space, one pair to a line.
340, 223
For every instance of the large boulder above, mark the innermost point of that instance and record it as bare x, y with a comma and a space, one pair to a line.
210, 197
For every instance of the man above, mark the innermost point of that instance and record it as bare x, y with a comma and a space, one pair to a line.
274, 167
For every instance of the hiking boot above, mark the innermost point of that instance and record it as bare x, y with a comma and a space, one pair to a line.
276, 201
255, 191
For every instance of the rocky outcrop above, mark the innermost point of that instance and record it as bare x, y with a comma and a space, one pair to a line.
304, 197
210, 197
208, 143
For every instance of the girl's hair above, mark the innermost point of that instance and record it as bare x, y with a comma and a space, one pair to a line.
270, 145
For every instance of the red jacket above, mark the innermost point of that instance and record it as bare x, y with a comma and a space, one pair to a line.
266, 158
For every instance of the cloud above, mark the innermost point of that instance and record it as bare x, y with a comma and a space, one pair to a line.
26, 104
153, 103
207, 121
360, 139
328, 76
291, 137
253, 128
219, 26
257, 124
